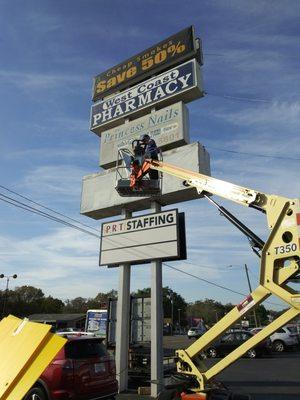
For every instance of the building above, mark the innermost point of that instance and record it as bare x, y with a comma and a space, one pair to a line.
60, 321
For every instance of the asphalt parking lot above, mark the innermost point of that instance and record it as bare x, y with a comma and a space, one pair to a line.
275, 377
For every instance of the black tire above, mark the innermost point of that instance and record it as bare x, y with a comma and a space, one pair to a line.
252, 353
36, 393
278, 346
212, 352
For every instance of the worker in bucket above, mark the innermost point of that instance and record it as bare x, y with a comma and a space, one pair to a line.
139, 151
151, 151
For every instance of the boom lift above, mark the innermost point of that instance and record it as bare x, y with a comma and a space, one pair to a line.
279, 264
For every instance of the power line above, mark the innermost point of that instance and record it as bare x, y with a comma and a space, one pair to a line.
240, 98
33, 210
47, 208
213, 283
205, 266
253, 154
205, 280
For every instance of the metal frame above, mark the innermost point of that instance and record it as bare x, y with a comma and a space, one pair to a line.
279, 263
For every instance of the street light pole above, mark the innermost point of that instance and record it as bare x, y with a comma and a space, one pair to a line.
179, 309
6, 290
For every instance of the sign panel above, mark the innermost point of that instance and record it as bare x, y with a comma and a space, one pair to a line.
168, 127
96, 322
181, 83
141, 239
173, 50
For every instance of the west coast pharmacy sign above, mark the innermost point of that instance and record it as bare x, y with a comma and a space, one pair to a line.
181, 83
168, 127
143, 239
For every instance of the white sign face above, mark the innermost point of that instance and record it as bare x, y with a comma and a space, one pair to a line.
140, 239
179, 83
168, 127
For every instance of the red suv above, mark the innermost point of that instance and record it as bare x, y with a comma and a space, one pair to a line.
82, 370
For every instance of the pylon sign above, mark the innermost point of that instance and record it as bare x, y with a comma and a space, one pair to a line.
180, 83
152, 101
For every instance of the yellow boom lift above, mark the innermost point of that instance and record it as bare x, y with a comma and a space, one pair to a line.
279, 264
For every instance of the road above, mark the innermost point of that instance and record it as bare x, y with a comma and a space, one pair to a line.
276, 377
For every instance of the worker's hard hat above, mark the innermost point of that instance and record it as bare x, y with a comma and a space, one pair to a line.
145, 137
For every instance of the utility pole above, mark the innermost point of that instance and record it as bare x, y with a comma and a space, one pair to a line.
172, 313
250, 288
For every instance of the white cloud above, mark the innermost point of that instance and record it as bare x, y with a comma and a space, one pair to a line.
54, 261
279, 115
54, 180
33, 80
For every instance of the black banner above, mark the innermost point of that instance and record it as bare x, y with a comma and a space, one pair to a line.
171, 51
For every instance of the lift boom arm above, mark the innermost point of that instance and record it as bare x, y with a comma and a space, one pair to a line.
279, 263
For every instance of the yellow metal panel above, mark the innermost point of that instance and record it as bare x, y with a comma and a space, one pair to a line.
26, 349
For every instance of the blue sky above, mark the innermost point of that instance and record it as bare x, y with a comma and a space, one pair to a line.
51, 50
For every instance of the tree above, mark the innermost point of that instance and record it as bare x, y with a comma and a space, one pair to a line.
25, 300
262, 315
77, 305
52, 305
102, 298
209, 310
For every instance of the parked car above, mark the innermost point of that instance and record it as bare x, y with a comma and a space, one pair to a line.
195, 332
283, 338
231, 340
81, 370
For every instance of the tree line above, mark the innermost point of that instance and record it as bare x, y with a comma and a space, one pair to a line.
26, 300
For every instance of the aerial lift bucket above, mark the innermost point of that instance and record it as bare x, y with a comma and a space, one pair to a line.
126, 163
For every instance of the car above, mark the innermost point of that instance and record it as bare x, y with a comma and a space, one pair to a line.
82, 369
231, 340
195, 332
285, 337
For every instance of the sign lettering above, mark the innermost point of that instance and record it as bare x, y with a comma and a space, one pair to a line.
171, 51
180, 83
168, 127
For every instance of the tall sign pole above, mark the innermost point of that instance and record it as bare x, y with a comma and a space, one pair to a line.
122, 328
157, 375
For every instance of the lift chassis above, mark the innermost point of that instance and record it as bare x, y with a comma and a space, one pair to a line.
279, 264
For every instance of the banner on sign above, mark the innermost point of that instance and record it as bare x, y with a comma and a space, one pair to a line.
143, 239
181, 83
173, 50
168, 127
